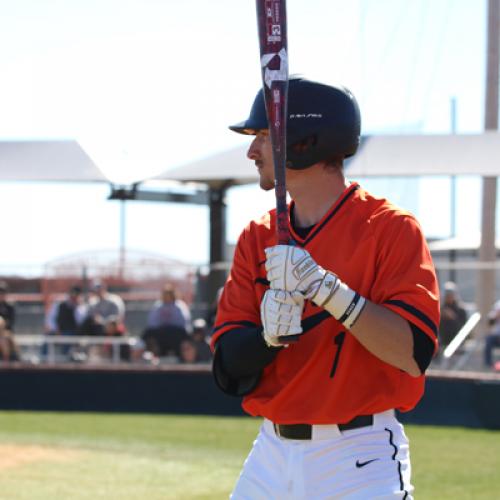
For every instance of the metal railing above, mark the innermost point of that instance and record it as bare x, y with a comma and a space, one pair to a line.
49, 343
459, 340
462, 335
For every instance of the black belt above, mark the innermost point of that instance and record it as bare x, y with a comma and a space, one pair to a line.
304, 431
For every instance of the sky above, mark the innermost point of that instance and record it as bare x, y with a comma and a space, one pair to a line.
147, 85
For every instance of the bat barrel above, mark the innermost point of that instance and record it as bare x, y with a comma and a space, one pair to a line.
271, 16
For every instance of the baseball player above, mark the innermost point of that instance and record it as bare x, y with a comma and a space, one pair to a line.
356, 290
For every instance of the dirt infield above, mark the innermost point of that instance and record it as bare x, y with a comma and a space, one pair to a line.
16, 455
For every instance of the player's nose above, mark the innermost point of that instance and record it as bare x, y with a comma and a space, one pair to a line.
253, 152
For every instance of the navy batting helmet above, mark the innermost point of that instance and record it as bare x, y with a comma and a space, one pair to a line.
327, 117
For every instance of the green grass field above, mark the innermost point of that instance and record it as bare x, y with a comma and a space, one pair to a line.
68, 456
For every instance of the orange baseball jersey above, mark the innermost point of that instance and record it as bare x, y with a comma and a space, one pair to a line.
327, 376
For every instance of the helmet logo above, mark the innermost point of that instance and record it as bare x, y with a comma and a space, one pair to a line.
274, 74
304, 115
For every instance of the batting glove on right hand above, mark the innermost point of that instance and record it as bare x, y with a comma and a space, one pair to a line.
281, 313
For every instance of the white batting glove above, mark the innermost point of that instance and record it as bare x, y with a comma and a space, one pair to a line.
281, 313
293, 269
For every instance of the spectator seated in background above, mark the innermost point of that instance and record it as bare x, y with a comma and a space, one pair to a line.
114, 328
70, 313
7, 310
201, 341
168, 324
453, 315
188, 352
212, 311
493, 337
102, 307
50, 326
8, 348
66, 317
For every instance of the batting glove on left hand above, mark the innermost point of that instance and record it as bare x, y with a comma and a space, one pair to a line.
281, 313
293, 269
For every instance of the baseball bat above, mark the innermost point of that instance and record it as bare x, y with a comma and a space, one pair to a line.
271, 20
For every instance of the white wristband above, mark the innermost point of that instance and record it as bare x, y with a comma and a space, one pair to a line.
344, 304
355, 313
340, 300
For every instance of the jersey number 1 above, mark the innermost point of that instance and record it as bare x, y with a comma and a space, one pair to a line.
338, 340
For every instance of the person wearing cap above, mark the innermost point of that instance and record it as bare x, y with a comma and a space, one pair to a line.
7, 310
65, 318
102, 306
453, 314
71, 312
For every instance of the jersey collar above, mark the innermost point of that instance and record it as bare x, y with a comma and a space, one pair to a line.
339, 203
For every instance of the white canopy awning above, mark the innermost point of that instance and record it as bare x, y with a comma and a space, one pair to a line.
46, 160
428, 155
229, 165
469, 242
389, 155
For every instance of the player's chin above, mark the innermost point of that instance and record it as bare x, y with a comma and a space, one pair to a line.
266, 184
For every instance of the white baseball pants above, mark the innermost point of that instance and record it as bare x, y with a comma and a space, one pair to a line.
361, 464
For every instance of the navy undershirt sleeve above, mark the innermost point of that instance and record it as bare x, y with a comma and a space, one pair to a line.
240, 356
423, 348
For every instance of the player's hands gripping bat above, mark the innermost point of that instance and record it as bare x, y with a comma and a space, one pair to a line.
294, 270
